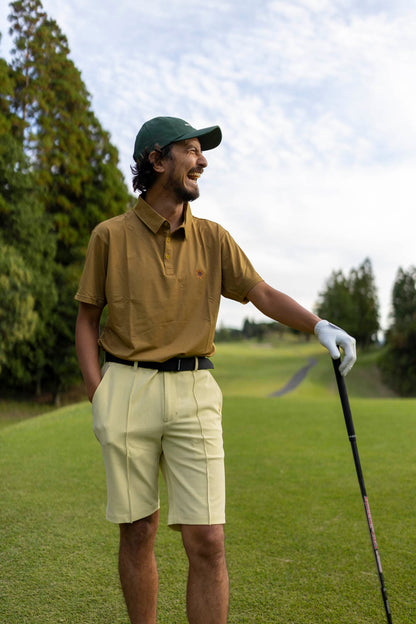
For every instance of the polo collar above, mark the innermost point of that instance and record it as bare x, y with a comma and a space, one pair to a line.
154, 221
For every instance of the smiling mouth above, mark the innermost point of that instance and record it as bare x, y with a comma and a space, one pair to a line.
194, 175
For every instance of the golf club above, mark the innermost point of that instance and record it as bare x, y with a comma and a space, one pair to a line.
352, 437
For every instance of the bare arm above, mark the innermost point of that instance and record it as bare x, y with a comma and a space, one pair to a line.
86, 341
280, 307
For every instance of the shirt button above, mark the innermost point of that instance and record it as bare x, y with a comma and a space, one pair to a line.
167, 256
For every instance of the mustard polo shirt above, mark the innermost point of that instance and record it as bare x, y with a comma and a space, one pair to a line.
162, 288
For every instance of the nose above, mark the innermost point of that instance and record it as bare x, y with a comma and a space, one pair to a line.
202, 161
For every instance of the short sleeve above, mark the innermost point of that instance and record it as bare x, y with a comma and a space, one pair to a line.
92, 284
238, 274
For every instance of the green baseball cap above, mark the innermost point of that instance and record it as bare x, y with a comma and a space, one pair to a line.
165, 130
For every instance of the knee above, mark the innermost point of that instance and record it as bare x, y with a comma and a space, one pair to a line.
204, 543
139, 535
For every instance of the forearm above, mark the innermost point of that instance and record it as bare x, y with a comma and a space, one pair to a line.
282, 308
86, 342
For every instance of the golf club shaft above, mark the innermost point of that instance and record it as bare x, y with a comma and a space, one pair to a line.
352, 437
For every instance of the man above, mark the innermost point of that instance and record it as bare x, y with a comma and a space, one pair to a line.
161, 273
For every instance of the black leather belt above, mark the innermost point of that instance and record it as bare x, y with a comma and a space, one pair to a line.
174, 365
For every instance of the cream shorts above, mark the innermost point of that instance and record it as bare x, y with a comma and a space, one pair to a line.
147, 420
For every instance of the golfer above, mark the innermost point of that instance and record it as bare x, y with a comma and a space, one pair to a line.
160, 272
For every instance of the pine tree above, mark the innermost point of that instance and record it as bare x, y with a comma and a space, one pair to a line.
352, 303
398, 361
366, 306
75, 163
404, 300
335, 302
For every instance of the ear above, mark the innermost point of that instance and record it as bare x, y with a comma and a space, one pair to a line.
157, 161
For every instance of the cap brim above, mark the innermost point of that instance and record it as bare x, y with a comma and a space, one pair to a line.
208, 137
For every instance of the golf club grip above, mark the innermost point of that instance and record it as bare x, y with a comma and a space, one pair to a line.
344, 399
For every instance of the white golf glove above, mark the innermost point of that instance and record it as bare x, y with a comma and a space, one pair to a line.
330, 336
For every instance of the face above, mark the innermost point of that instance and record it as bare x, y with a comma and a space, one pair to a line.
183, 168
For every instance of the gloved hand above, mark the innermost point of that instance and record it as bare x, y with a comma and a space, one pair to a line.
330, 336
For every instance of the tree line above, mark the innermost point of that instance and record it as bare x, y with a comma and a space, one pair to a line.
257, 331
59, 177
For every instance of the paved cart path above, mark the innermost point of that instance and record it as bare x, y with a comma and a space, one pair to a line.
296, 379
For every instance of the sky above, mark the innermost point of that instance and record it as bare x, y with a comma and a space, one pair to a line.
316, 100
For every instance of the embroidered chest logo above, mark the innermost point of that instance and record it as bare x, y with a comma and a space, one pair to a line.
200, 273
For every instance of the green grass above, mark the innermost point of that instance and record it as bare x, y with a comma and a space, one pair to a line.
258, 370
13, 411
297, 542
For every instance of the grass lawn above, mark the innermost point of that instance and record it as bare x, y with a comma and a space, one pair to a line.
297, 541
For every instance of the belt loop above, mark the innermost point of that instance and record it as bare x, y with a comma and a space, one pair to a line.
179, 364
196, 363
135, 365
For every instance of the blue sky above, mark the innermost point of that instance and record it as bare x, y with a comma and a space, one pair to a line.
316, 102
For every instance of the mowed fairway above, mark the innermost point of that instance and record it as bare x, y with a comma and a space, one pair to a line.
297, 540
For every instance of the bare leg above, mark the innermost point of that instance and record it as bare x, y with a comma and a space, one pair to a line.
207, 596
137, 567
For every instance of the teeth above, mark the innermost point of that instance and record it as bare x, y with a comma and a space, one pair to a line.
194, 176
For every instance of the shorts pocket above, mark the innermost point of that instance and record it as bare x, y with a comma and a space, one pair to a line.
217, 390
97, 403
100, 385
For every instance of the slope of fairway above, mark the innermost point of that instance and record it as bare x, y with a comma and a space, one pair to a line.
253, 369
298, 546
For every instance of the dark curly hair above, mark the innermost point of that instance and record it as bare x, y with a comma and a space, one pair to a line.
144, 175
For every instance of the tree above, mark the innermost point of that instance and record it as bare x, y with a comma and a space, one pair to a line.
61, 180
404, 300
365, 304
12, 158
352, 303
75, 162
28, 244
335, 301
18, 318
398, 361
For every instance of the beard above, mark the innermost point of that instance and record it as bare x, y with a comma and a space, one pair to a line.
182, 193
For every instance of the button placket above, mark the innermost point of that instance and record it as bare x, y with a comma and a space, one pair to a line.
168, 251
